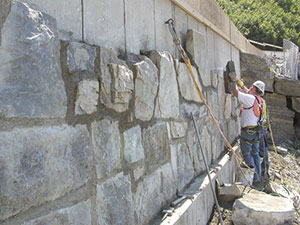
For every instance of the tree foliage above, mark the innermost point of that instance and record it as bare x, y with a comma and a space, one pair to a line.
268, 21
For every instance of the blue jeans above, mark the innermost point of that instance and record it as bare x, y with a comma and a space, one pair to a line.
250, 151
264, 151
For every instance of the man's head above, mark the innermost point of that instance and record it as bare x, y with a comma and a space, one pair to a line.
258, 87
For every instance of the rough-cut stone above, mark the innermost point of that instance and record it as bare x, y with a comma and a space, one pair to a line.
107, 145
288, 87
30, 75
255, 68
262, 209
76, 215
81, 57
229, 192
291, 54
156, 145
282, 118
296, 104
148, 198
197, 48
122, 83
133, 149
178, 129
167, 102
114, 201
146, 83
186, 84
182, 164
138, 173
108, 57
87, 97
167, 181
41, 164
227, 112
233, 129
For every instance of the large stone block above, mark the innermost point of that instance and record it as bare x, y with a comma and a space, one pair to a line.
76, 215
140, 33
30, 75
197, 48
227, 112
108, 57
156, 145
282, 118
287, 87
167, 102
296, 104
81, 57
114, 201
186, 85
87, 97
133, 149
178, 129
105, 17
167, 182
68, 14
122, 84
41, 164
262, 209
107, 146
146, 83
188, 109
255, 68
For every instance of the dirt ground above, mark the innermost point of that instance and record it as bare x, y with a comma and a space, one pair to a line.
284, 170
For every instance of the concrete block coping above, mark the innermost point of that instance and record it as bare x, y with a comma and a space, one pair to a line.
197, 208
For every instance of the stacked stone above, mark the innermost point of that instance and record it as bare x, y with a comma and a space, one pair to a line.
89, 138
282, 95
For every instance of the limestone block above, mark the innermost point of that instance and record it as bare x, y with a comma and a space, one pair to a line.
230, 192
235, 107
133, 149
107, 145
104, 17
41, 164
87, 97
212, 101
108, 57
148, 198
186, 84
146, 84
68, 14
184, 166
197, 48
178, 129
122, 83
287, 87
167, 102
80, 57
76, 215
114, 203
262, 209
255, 68
156, 145
227, 112
296, 104
140, 35
138, 173
30, 75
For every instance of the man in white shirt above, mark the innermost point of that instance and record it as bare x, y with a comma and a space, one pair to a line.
250, 118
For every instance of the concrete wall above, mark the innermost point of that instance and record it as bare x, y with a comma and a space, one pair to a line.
93, 134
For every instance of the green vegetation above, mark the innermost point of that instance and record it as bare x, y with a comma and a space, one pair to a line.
268, 21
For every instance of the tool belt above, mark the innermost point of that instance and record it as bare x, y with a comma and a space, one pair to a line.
251, 129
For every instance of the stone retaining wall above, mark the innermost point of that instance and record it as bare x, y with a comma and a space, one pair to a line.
87, 137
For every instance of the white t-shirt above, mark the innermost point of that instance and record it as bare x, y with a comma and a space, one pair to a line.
248, 117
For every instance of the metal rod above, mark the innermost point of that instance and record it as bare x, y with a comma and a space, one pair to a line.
207, 169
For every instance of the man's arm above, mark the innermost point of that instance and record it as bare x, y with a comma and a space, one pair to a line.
234, 89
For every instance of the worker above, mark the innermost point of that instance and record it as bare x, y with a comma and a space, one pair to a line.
251, 116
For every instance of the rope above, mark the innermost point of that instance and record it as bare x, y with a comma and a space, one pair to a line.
187, 61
